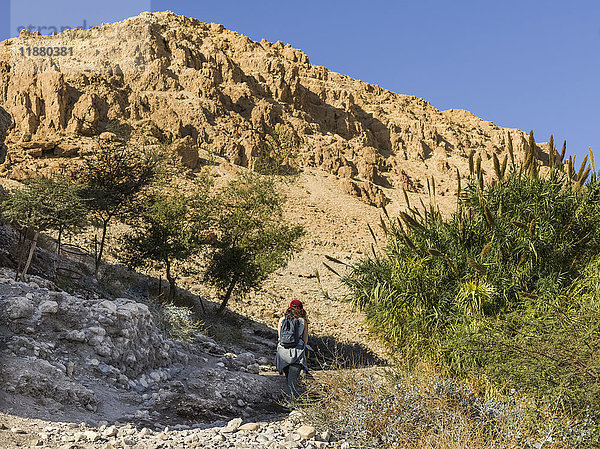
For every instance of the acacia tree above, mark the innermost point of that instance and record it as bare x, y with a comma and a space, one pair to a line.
112, 179
43, 204
170, 228
253, 238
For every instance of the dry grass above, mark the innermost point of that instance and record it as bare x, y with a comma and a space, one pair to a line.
377, 408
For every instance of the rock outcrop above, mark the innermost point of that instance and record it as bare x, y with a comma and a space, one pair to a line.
5, 122
161, 78
64, 356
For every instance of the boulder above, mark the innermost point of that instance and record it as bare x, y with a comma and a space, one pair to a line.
48, 307
85, 116
188, 155
65, 149
18, 308
306, 432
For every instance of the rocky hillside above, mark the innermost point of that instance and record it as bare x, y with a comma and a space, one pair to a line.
168, 79
90, 372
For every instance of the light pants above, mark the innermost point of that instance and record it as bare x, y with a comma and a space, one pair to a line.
292, 373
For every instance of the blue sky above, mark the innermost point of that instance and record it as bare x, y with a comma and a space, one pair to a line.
523, 64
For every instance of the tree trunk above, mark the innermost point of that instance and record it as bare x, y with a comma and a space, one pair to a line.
31, 251
21, 251
234, 280
56, 261
58, 241
171, 280
101, 250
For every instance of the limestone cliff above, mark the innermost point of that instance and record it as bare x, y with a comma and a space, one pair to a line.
165, 78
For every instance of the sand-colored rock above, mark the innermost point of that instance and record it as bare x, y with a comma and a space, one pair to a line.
162, 77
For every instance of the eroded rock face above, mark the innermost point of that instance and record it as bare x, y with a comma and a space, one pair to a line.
167, 78
5, 122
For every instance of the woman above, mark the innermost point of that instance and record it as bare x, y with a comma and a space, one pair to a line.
291, 360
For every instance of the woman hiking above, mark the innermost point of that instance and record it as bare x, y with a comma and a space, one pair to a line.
291, 355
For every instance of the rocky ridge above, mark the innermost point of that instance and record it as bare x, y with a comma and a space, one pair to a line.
68, 357
161, 78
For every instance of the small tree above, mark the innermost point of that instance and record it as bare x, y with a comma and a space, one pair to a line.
112, 180
254, 239
43, 204
172, 227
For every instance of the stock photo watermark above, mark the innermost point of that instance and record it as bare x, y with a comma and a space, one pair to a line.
68, 36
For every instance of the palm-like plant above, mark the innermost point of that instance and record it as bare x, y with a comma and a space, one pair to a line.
511, 245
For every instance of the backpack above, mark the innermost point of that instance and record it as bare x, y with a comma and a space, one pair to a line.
289, 334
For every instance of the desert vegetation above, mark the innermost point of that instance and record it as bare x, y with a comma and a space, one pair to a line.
237, 231
502, 295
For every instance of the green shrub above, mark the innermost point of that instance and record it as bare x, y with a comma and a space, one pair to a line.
179, 323
550, 351
459, 291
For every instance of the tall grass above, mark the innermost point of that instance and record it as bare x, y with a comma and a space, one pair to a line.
506, 287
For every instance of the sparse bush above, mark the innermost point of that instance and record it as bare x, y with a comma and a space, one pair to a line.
179, 323
170, 227
376, 409
279, 155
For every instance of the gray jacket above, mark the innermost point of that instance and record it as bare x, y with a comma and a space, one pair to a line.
289, 356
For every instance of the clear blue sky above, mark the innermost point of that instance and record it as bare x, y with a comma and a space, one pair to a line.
523, 64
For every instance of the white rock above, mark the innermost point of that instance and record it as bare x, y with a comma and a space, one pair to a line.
97, 330
109, 305
251, 427
253, 368
75, 335
191, 439
306, 432
293, 437
48, 307
110, 432
19, 308
91, 436
326, 435
233, 425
